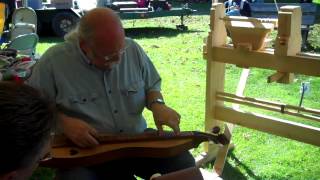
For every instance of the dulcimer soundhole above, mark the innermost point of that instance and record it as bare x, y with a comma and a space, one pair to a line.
73, 152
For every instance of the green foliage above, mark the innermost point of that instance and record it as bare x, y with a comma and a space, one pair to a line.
178, 58
314, 39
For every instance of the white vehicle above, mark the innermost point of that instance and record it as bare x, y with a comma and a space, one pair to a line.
59, 15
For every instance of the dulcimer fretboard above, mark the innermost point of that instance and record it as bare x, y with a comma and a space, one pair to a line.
61, 140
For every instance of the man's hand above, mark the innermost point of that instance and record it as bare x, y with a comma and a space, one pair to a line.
79, 132
164, 115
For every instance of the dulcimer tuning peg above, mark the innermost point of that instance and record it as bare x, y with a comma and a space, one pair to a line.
216, 130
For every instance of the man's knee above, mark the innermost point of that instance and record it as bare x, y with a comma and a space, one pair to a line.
185, 160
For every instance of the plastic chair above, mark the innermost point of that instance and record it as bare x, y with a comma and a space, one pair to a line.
25, 44
24, 21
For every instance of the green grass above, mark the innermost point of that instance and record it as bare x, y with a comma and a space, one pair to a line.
178, 58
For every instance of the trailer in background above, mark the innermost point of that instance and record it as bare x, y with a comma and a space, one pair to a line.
62, 15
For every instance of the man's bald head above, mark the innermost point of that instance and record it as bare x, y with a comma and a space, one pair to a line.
100, 23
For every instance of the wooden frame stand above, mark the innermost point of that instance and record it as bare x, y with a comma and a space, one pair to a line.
285, 59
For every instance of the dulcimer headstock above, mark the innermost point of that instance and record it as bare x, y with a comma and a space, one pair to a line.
216, 138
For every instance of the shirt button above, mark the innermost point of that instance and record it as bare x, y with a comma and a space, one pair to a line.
109, 91
121, 130
115, 111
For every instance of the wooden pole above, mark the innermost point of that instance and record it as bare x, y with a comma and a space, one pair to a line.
214, 77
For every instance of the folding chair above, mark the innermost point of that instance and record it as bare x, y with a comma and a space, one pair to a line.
24, 21
25, 44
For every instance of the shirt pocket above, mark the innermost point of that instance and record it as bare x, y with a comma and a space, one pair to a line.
134, 97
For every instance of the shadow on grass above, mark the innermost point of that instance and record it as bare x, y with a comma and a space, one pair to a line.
230, 172
50, 39
135, 33
153, 32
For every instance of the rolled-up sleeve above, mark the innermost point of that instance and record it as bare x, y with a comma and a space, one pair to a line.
150, 74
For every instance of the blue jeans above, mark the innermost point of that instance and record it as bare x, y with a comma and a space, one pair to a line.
128, 168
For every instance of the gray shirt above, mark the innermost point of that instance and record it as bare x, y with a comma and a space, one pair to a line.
111, 101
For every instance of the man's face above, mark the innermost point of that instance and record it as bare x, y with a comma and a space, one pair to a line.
105, 58
105, 50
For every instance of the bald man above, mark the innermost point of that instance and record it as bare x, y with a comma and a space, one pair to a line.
101, 82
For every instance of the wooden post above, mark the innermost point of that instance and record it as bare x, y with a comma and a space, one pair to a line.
223, 151
215, 75
215, 70
288, 42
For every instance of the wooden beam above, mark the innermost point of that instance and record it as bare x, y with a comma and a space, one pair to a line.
276, 126
279, 109
224, 94
234, 98
267, 60
304, 109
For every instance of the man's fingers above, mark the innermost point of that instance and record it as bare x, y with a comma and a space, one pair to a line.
176, 129
160, 129
91, 141
174, 124
93, 132
87, 141
80, 144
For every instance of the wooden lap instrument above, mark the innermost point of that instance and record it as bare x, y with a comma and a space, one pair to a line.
64, 154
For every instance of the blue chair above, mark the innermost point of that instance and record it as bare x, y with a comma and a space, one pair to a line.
25, 44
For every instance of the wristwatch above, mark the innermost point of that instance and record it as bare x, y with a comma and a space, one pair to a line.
158, 101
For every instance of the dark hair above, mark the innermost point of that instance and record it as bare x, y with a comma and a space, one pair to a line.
26, 121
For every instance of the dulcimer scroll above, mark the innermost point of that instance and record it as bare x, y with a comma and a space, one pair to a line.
65, 154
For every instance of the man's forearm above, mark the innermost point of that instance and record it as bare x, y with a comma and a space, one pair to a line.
152, 96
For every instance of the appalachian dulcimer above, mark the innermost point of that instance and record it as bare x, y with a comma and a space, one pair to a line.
64, 154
